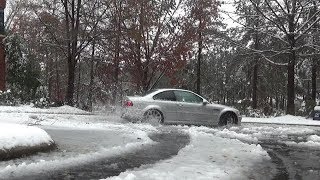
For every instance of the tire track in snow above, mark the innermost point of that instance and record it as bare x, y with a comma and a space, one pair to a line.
293, 162
170, 141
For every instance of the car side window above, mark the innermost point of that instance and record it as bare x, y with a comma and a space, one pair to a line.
183, 96
165, 96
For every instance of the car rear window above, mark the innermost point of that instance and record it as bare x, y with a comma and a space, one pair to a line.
165, 96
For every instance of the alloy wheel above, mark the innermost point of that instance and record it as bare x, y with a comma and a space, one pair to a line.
153, 116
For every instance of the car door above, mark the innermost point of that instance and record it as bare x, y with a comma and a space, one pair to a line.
166, 100
192, 109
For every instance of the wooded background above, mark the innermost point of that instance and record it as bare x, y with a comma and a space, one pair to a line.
94, 52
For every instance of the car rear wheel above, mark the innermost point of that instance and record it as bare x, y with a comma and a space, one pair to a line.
153, 116
227, 119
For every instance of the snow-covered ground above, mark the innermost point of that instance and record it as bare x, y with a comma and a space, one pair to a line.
31, 109
232, 153
213, 153
110, 143
288, 119
208, 157
313, 142
116, 137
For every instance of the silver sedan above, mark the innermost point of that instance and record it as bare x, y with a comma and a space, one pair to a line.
178, 106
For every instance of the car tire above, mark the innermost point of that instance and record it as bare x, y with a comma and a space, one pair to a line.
228, 118
153, 116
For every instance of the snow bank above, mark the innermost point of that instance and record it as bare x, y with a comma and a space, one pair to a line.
268, 130
66, 110
312, 142
234, 135
43, 166
19, 140
257, 134
130, 138
206, 157
12, 135
61, 120
288, 119
314, 138
308, 144
53, 110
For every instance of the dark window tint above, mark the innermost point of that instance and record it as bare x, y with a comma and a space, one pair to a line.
166, 96
183, 96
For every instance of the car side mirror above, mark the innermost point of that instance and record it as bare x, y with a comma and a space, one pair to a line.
205, 102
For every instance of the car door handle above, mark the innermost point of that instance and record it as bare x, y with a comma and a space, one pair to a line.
180, 105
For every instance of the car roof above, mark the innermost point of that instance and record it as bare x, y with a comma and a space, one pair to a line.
169, 89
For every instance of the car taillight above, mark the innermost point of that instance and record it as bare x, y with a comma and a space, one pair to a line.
128, 103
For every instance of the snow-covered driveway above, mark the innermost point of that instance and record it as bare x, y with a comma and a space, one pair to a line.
100, 146
85, 153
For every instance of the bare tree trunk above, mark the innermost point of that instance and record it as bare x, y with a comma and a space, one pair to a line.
314, 59
72, 28
308, 90
90, 101
71, 78
255, 63
292, 61
255, 75
283, 103
116, 70
142, 68
290, 84
58, 90
314, 80
145, 75
78, 84
50, 74
255, 85
277, 102
199, 58
118, 9
2, 48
